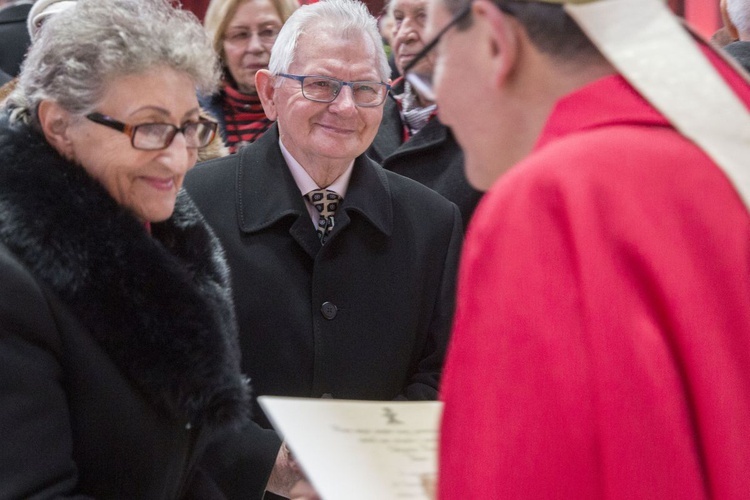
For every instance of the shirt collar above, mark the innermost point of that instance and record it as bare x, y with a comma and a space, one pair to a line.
305, 183
266, 189
592, 106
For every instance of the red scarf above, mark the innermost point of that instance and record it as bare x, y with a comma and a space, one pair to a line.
244, 116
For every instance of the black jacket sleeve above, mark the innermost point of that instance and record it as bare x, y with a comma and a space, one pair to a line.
36, 455
240, 462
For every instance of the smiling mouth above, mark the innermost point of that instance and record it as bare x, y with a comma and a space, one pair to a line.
159, 183
336, 130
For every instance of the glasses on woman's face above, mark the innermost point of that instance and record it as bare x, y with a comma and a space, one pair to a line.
241, 37
326, 89
154, 136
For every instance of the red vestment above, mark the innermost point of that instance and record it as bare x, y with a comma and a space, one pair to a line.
601, 346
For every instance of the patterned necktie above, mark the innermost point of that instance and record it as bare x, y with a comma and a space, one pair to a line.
325, 202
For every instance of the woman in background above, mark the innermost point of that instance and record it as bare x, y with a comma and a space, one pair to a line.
118, 355
243, 32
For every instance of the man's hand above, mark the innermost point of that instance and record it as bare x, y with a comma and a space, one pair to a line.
285, 473
429, 483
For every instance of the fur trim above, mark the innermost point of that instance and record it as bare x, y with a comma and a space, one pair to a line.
160, 306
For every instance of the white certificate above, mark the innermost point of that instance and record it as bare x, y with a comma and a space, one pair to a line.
377, 450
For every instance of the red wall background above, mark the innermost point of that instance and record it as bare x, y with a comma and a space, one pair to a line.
701, 14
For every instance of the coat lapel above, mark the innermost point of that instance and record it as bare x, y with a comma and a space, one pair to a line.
390, 133
431, 135
389, 142
268, 194
368, 196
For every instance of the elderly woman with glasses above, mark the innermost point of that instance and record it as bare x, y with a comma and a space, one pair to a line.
118, 356
242, 32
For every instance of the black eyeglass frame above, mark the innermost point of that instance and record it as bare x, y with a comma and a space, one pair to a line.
457, 18
460, 16
130, 130
301, 79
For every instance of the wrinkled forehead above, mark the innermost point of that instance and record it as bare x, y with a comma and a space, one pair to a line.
352, 48
407, 4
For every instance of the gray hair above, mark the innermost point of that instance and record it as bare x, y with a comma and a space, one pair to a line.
739, 13
346, 18
82, 49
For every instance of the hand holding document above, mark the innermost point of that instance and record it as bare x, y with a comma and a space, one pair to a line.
377, 450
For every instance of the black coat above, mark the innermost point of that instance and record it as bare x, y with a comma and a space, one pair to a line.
740, 50
367, 315
431, 157
14, 36
118, 354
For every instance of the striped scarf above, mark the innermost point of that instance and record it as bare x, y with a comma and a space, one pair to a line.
415, 116
244, 116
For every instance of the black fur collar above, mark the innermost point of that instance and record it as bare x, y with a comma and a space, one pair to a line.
160, 306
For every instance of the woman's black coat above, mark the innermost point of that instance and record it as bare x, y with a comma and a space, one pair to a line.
118, 355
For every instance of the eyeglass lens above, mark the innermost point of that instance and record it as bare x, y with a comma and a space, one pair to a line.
242, 36
161, 135
322, 89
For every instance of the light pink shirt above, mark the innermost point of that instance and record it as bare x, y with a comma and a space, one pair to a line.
305, 183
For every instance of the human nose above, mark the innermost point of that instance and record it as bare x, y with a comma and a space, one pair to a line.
409, 30
177, 156
254, 43
344, 101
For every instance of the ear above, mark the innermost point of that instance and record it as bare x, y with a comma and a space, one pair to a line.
264, 82
501, 39
55, 122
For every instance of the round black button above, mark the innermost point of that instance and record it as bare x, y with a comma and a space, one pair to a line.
329, 310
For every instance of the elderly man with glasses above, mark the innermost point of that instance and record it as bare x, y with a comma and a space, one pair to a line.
601, 346
343, 273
